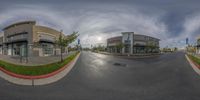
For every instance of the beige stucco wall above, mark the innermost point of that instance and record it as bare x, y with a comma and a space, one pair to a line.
42, 30
38, 30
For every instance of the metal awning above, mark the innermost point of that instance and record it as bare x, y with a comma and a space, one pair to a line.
16, 41
46, 41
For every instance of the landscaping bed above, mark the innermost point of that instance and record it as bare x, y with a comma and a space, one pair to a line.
195, 60
36, 70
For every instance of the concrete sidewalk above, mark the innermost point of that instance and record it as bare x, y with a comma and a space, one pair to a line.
33, 61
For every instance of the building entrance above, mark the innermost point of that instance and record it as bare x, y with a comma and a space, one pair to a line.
20, 49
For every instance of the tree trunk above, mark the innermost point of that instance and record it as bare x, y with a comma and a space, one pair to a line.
61, 54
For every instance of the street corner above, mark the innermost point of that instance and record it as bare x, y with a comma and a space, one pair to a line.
193, 64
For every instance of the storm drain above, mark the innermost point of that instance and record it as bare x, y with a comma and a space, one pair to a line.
120, 64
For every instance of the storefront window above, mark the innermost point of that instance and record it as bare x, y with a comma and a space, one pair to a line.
1, 49
47, 49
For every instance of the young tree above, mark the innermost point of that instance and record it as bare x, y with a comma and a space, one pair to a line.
120, 46
151, 47
64, 41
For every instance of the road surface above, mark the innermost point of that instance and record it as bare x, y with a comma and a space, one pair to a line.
101, 77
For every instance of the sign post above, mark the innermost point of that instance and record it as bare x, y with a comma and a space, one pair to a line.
187, 43
79, 45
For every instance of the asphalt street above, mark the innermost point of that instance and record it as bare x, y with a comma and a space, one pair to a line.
102, 77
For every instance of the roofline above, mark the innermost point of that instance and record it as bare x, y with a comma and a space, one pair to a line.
52, 29
19, 23
148, 36
139, 34
134, 34
114, 37
48, 28
127, 32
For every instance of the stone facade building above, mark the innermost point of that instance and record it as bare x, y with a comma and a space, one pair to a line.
28, 39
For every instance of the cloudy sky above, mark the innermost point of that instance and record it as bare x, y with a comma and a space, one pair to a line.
172, 21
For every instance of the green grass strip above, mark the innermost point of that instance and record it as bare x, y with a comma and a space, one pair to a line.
195, 59
36, 70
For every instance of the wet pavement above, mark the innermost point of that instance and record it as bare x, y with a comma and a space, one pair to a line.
102, 77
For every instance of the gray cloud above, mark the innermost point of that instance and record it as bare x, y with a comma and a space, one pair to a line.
170, 20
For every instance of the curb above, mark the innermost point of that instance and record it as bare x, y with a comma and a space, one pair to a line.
40, 79
193, 64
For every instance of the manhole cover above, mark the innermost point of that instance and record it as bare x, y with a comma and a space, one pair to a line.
120, 64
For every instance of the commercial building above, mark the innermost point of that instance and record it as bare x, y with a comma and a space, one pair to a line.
1, 43
28, 39
130, 43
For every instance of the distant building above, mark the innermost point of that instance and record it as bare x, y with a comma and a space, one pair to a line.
130, 43
28, 39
